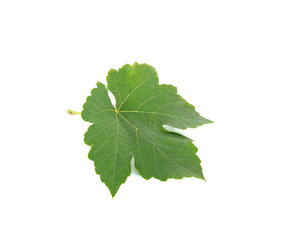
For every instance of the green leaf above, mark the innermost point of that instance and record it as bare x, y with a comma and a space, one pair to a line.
134, 128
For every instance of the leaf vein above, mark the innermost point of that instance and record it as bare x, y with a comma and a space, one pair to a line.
89, 138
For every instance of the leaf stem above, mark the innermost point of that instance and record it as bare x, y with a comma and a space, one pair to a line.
72, 112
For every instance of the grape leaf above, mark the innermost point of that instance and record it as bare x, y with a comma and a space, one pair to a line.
134, 128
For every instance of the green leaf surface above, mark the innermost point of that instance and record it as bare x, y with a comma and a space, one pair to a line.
134, 128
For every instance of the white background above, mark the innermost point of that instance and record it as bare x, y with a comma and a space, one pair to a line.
230, 59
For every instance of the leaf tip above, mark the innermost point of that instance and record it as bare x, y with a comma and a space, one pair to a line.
209, 121
205, 121
113, 193
100, 85
202, 177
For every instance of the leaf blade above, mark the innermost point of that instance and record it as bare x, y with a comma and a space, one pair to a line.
134, 128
